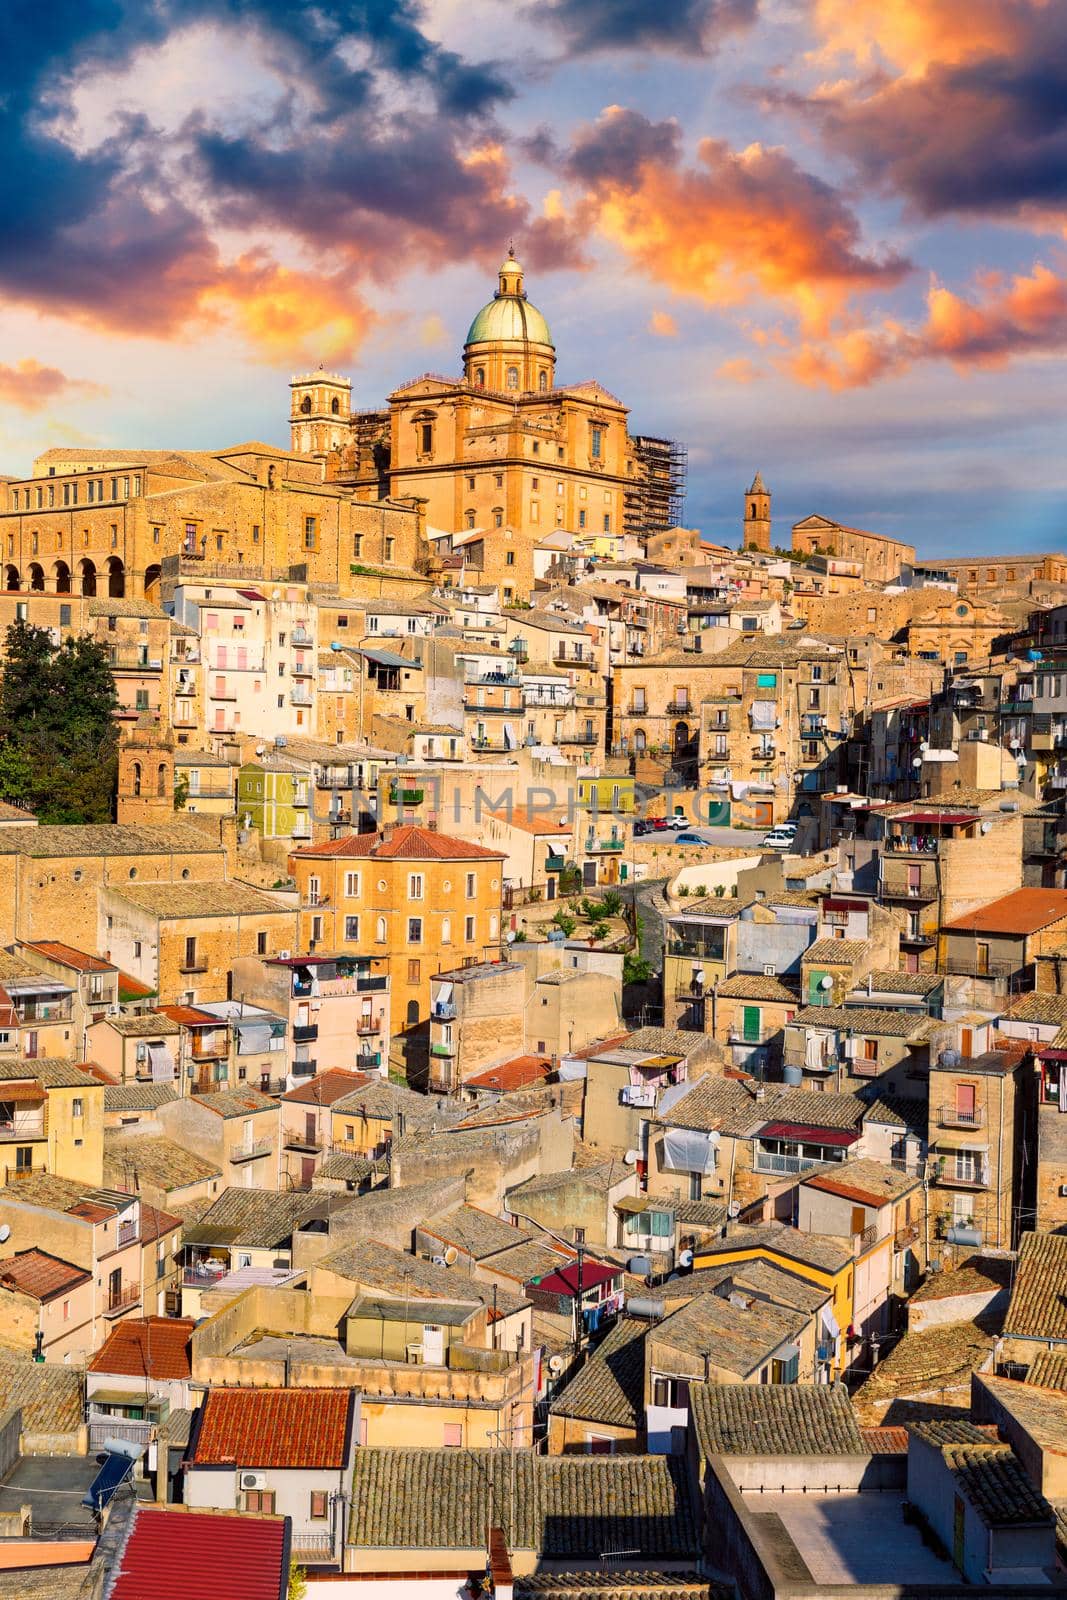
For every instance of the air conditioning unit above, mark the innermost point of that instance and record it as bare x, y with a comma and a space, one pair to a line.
283, 955
1063, 1191
253, 1480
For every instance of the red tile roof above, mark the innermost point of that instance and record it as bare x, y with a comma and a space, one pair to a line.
408, 842
1021, 912
192, 1017
534, 821
174, 1554
155, 1222
156, 1347
289, 1428
55, 950
35, 1272
565, 1281
328, 1086
518, 1073
131, 988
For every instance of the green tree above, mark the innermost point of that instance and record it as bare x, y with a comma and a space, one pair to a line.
611, 904
565, 923
298, 1582
635, 969
181, 791
58, 740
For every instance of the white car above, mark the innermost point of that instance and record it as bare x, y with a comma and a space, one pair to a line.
780, 837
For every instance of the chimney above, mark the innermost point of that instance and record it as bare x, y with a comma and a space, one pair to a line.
388, 829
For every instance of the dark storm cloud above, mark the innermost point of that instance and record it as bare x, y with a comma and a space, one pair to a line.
985, 136
680, 26
616, 147
99, 232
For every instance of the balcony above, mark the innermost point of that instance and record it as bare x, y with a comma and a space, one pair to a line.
305, 1067
905, 1237
312, 1142
299, 697
405, 797
312, 1549
369, 1024
906, 844
302, 669
222, 694
961, 967
368, 1060
252, 1152
31, 1126
860, 1067
195, 964
442, 1011
679, 708
210, 1049
695, 950
442, 1049
305, 1032
127, 1233
123, 1299
587, 737
300, 636
753, 1037
372, 985
950, 1116
218, 793
185, 689
773, 1161
555, 863
595, 847
562, 659
970, 1175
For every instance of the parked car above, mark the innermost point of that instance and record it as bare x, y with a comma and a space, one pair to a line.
679, 820
641, 827
689, 838
659, 824
781, 837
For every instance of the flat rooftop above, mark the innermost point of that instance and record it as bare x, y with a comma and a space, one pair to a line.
847, 1538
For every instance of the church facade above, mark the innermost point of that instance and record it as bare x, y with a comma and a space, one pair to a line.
501, 457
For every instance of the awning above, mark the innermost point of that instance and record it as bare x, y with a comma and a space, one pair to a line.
804, 1132
22, 1094
951, 817
389, 658
829, 1322
658, 1062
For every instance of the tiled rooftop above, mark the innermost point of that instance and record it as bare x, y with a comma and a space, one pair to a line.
993, 1479
567, 1508
152, 1347
34, 1272
477, 1233
156, 1161
774, 1419
610, 1387
738, 1339
173, 902
259, 1218
1038, 1305
286, 1428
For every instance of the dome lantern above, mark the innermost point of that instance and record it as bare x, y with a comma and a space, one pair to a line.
508, 345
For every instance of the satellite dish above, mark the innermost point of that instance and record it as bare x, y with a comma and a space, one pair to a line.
686, 1258
632, 1157
5, 1233
734, 1208
826, 982
510, 936
451, 1255
556, 1364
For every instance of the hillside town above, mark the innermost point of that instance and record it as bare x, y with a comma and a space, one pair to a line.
533, 1045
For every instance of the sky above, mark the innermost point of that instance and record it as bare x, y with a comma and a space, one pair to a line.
822, 238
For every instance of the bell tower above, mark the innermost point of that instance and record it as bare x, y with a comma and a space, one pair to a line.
320, 413
756, 533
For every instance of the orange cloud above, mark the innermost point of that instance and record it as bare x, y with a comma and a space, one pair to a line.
999, 323
737, 225
663, 325
739, 369
30, 386
912, 34
287, 315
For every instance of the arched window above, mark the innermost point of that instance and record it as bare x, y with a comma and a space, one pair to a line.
137, 777
335, 407
542, 382
513, 378
379, 932
639, 738
498, 517
479, 377
305, 404
161, 780
411, 1015
753, 508
446, 930
468, 517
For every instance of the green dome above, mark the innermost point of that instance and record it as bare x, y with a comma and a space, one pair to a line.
509, 316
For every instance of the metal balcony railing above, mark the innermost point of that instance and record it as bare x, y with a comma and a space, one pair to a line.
122, 1299
950, 1116
251, 1152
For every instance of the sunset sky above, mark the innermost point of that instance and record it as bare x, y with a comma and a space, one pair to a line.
825, 238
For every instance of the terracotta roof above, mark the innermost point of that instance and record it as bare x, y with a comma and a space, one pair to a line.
133, 1163
153, 1347
977, 1275
51, 1396
735, 1338
1049, 1009
327, 1087
610, 1388
37, 1273
173, 1554
229, 1103
477, 1233
737, 1419
408, 842
287, 1428
885, 1441
837, 952
1021, 912
520, 817
155, 1223
68, 956
514, 1074
190, 1016
614, 1584
755, 986
874, 1020
1048, 1370
920, 983
1038, 1306
994, 1481
176, 901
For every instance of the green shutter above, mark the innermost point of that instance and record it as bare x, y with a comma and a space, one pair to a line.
751, 1024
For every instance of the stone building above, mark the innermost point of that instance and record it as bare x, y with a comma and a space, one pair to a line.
757, 531
501, 456
882, 557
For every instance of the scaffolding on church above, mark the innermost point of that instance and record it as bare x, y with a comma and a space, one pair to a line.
657, 500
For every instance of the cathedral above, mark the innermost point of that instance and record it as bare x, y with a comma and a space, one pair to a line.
501, 457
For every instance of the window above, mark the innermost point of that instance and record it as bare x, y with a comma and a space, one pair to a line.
479, 377
352, 930
414, 930
672, 1393
77, 1108
470, 483
472, 885
542, 382
453, 1435
389, 546
468, 929
535, 511
512, 379
498, 517
261, 944
498, 479
260, 1501
352, 885
414, 969
416, 885
581, 519
596, 438
379, 930
607, 522
509, 558
311, 527
319, 1498
468, 518
426, 438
